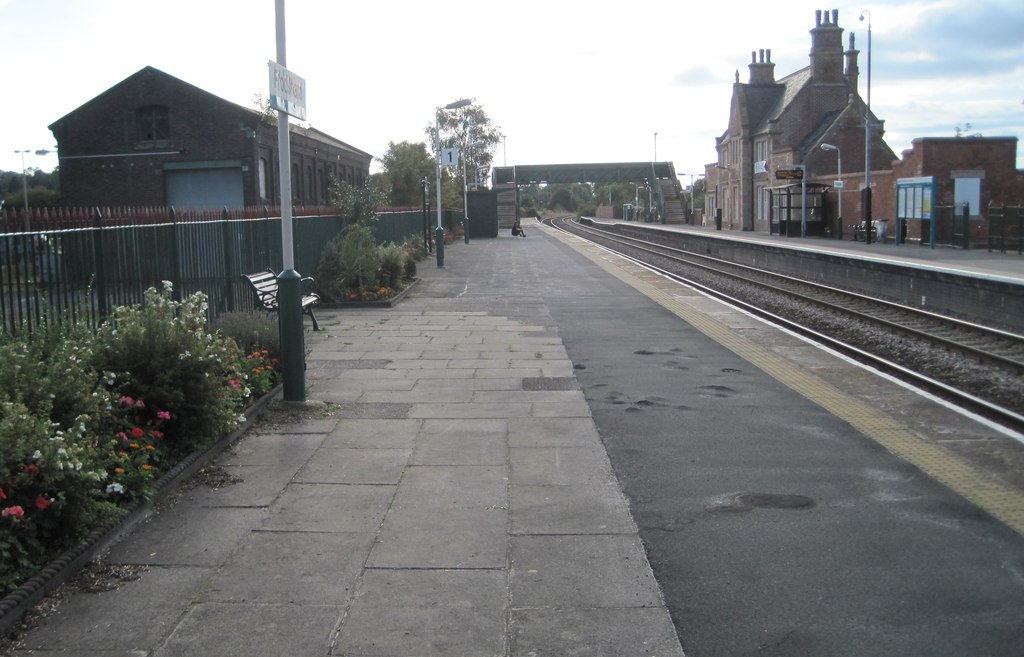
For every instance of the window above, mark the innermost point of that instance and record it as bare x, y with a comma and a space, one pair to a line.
153, 124
263, 178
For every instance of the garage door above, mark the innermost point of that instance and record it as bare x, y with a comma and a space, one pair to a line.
204, 188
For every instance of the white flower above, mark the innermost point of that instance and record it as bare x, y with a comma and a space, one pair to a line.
63, 453
115, 488
37, 455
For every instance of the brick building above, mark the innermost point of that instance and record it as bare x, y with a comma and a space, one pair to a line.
973, 171
153, 139
780, 124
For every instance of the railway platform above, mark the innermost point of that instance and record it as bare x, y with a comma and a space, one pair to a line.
976, 284
973, 262
548, 450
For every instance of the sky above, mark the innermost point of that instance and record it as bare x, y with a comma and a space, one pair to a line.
566, 81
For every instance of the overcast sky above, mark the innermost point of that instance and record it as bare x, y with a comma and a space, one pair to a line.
567, 81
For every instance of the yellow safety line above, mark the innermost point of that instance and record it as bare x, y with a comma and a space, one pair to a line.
1001, 501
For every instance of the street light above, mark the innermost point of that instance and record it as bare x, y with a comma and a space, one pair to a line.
867, 142
439, 233
24, 182
839, 183
655, 146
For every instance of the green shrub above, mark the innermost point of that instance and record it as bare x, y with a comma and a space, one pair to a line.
252, 331
51, 491
162, 353
392, 265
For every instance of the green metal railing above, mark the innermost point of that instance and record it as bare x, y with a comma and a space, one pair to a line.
80, 270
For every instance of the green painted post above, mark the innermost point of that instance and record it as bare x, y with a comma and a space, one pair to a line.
465, 230
293, 350
439, 246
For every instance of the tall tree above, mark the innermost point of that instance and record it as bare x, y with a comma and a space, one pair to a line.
460, 128
405, 165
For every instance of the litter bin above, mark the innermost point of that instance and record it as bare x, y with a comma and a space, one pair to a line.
883, 229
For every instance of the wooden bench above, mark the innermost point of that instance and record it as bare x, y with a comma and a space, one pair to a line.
264, 285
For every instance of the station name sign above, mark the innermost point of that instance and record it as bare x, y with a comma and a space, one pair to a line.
789, 174
287, 92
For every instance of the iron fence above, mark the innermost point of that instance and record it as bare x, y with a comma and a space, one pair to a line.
1006, 228
77, 265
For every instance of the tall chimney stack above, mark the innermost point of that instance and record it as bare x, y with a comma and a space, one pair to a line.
763, 71
827, 48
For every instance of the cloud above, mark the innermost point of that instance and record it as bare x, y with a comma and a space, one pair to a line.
700, 76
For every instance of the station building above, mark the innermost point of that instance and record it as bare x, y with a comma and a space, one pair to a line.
155, 140
778, 126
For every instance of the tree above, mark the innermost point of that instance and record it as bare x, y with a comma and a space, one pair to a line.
458, 128
405, 165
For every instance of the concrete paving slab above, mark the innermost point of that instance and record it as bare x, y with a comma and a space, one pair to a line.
558, 572
492, 410
632, 632
272, 449
259, 487
460, 450
446, 487
458, 538
116, 620
560, 466
354, 466
329, 508
552, 432
184, 535
427, 612
360, 433
584, 508
271, 630
324, 572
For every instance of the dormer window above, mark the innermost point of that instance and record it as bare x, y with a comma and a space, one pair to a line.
153, 124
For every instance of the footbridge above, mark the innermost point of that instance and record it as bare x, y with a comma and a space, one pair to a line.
665, 195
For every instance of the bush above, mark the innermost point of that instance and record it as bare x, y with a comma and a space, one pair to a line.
162, 353
252, 331
392, 265
87, 422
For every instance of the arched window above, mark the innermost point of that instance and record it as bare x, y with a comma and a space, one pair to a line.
153, 124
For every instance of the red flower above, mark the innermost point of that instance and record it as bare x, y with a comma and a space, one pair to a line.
3, 495
32, 469
42, 503
137, 432
235, 383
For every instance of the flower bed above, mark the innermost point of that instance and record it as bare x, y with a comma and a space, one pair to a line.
91, 423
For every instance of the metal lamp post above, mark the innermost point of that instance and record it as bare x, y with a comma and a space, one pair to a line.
839, 182
439, 232
426, 214
867, 141
24, 182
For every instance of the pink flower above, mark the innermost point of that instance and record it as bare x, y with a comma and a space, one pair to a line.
140, 404
163, 415
235, 383
42, 503
127, 401
123, 436
15, 511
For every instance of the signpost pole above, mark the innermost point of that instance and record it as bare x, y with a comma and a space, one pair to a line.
293, 352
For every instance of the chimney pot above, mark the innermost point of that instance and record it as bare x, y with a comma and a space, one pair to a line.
835, 17
768, 54
817, 17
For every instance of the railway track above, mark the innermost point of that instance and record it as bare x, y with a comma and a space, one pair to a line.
978, 367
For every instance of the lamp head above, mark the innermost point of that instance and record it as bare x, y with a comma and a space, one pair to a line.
829, 147
458, 104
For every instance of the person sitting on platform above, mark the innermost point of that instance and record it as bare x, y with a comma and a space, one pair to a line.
517, 230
